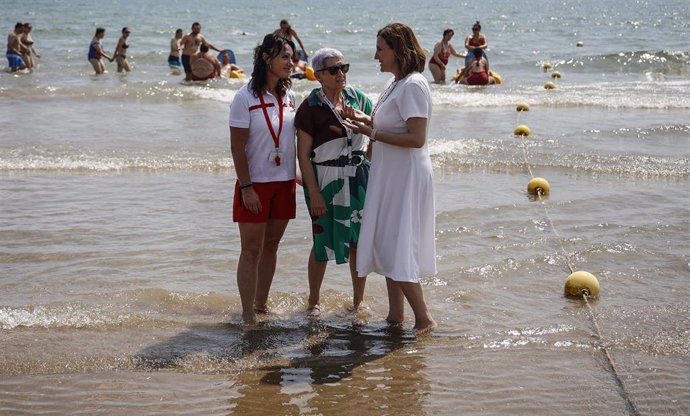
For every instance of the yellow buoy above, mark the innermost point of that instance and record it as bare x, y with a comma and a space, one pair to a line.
547, 66
555, 74
522, 107
538, 186
236, 74
581, 283
549, 85
309, 72
580, 44
522, 130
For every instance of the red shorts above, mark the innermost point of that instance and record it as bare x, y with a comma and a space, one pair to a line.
277, 202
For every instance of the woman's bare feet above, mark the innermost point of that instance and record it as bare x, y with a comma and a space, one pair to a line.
424, 327
249, 319
263, 309
314, 311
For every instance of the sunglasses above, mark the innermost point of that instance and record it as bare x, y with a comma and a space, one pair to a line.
475, 29
334, 69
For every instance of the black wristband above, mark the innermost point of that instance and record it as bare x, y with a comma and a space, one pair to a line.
246, 185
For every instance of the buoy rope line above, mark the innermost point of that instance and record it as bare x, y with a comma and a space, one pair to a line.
585, 293
629, 404
546, 211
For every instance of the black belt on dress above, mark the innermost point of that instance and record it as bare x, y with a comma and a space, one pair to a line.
357, 159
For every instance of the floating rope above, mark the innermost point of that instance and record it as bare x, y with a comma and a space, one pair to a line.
586, 292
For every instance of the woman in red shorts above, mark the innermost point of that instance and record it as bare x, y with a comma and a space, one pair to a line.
262, 141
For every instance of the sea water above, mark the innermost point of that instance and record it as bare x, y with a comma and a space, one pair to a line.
118, 252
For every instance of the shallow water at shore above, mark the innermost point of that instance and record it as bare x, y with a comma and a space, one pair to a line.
118, 251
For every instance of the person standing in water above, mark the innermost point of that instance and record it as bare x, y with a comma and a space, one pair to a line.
190, 44
439, 59
29, 48
398, 238
262, 142
286, 31
175, 48
96, 52
121, 51
15, 50
334, 170
474, 42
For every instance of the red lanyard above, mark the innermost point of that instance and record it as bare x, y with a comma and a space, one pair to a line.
276, 138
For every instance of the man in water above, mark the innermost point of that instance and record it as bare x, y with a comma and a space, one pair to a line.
190, 43
15, 48
175, 47
204, 65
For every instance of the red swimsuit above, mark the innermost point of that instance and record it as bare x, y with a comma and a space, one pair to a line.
444, 55
478, 78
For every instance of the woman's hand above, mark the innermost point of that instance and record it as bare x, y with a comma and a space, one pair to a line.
318, 205
355, 115
358, 127
251, 201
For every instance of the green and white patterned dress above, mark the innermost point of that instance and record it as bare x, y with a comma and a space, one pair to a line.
338, 230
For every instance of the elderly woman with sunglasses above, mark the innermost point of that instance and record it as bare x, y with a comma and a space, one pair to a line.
335, 171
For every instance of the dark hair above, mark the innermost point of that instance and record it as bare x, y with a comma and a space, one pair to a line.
447, 31
284, 22
409, 55
179, 31
195, 24
477, 25
478, 54
99, 30
203, 48
272, 46
18, 25
124, 29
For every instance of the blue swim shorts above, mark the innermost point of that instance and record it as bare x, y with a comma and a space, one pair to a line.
14, 60
174, 61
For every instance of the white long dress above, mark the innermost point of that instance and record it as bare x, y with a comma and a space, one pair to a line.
397, 238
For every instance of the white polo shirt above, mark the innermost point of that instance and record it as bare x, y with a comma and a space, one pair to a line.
246, 112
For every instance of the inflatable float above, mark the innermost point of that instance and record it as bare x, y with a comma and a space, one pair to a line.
308, 70
231, 57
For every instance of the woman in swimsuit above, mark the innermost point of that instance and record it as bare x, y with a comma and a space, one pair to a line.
96, 52
442, 51
478, 73
121, 51
475, 41
286, 31
28, 46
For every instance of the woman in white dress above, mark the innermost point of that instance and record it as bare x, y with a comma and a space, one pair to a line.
398, 229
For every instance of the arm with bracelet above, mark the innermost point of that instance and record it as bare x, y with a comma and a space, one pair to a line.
238, 141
